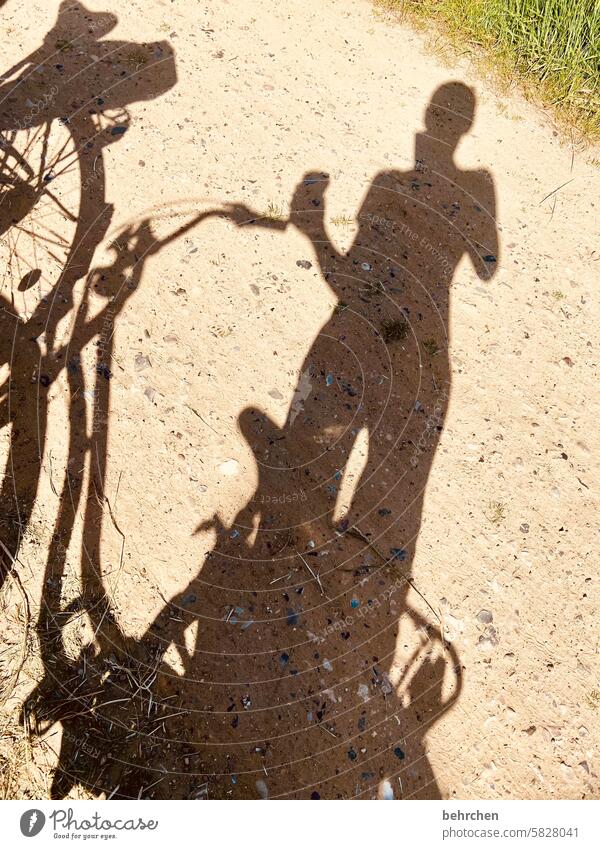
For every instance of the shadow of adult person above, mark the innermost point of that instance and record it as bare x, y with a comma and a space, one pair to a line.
319, 666
87, 84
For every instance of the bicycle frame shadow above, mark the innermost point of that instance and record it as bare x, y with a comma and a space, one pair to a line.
87, 83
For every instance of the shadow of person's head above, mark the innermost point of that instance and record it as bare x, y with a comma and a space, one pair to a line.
260, 432
450, 112
89, 23
85, 77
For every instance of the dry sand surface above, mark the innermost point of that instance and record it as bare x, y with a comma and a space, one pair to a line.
300, 471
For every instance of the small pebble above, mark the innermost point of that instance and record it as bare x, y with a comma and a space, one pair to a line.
263, 790
230, 468
385, 790
142, 362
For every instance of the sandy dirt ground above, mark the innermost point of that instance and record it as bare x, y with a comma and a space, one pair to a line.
299, 413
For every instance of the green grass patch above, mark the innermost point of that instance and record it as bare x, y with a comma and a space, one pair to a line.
555, 43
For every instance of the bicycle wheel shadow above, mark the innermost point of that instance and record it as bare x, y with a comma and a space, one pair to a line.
304, 661
85, 83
